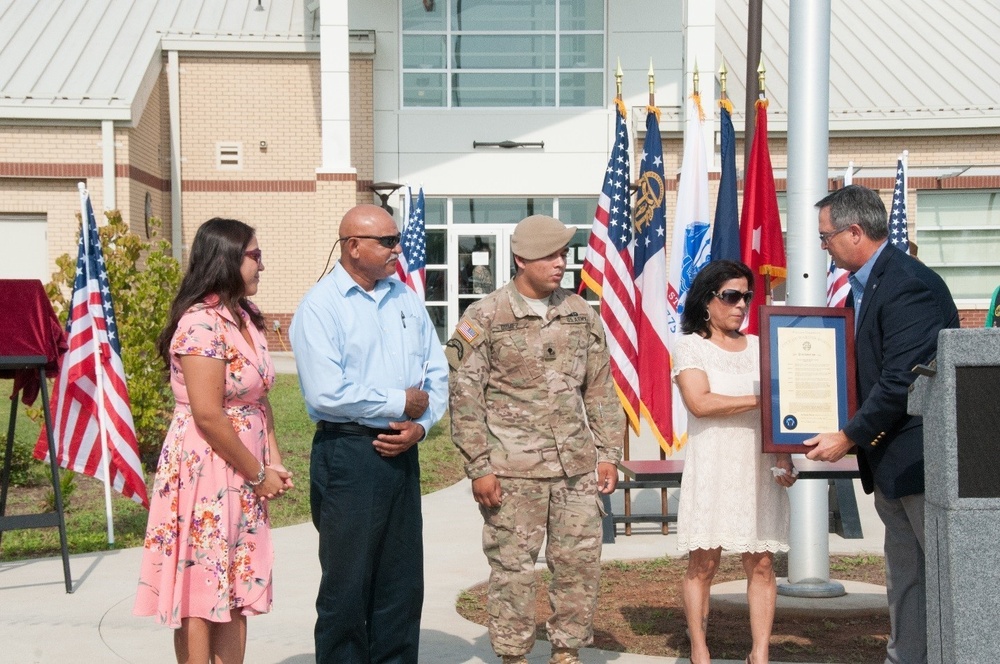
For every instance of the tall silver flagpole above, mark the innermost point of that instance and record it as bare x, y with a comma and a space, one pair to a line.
808, 175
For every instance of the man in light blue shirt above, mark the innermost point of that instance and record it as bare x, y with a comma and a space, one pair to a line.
375, 380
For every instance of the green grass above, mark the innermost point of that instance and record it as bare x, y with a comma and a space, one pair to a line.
440, 466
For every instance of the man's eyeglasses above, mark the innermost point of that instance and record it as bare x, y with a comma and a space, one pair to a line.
253, 254
387, 241
824, 238
732, 297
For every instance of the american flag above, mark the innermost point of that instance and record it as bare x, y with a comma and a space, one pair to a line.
651, 288
837, 286
898, 235
412, 262
90, 404
607, 270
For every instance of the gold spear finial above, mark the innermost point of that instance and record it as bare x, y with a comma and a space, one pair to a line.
652, 78
618, 78
760, 77
695, 77
722, 79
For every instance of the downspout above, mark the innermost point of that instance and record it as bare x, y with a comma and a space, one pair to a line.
108, 163
173, 93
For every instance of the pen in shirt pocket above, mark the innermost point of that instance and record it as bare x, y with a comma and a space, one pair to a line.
402, 317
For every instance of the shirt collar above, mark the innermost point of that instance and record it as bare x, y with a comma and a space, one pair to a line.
345, 283
521, 308
865, 271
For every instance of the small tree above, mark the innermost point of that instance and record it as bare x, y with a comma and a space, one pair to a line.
144, 278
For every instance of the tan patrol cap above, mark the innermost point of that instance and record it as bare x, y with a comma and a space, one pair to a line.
538, 236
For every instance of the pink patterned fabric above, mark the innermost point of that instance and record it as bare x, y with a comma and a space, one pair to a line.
208, 541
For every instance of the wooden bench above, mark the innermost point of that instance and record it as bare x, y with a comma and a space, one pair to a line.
665, 473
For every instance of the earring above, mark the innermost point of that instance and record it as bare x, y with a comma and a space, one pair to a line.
708, 316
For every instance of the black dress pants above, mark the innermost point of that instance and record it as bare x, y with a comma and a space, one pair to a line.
367, 511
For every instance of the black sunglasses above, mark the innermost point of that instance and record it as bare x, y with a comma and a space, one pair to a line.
387, 241
732, 297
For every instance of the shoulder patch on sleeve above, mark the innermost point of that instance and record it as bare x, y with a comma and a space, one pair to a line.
467, 336
468, 331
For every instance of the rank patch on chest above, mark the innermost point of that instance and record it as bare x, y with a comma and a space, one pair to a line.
549, 352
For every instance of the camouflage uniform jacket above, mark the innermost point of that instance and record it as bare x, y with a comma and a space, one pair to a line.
532, 396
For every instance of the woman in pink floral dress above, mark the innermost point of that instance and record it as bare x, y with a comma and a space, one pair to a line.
208, 556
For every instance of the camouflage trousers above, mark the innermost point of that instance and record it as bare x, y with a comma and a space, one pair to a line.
568, 510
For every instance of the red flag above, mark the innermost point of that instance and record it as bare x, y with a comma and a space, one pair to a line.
760, 225
91, 410
607, 270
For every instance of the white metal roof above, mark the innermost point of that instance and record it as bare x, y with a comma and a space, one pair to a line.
98, 59
894, 65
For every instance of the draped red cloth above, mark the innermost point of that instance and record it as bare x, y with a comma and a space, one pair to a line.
28, 326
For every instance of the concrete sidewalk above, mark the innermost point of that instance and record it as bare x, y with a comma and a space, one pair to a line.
41, 623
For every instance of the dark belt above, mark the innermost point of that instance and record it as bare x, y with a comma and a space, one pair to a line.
351, 429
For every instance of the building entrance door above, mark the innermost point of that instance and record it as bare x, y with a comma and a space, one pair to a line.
482, 259
481, 255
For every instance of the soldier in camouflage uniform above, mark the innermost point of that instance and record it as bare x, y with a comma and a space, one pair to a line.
535, 414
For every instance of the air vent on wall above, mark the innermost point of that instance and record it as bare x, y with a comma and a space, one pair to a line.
229, 156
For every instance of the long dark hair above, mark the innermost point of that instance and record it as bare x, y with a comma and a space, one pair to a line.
705, 286
213, 269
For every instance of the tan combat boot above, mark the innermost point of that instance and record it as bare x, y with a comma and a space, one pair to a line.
564, 656
515, 659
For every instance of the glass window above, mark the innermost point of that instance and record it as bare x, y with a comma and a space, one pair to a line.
958, 235
426, 89
424, 52
495, 90
498, 210
437, 242
503, 52
577, 211
416, 16
581, 14
516, 53
521, 15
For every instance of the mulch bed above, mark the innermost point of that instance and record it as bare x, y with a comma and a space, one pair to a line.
641, 611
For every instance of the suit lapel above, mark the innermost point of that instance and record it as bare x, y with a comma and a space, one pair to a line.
874, 279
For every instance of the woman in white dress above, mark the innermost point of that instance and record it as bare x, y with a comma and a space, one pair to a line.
730, 497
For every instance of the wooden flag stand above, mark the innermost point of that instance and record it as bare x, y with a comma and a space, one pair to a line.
31, 325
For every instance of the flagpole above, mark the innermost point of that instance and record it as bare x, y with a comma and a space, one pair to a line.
98, 364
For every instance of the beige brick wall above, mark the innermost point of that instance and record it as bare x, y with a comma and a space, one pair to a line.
363, 124
249, 100
57, 199
50, 145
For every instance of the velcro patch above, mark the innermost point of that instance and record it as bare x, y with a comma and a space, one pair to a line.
468, 331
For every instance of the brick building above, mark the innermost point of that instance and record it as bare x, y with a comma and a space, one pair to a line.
284, 114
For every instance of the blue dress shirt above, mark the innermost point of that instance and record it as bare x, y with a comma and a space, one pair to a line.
357, 352
859, 280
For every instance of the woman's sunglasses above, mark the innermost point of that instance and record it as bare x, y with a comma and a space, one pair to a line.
732, 297
253, 254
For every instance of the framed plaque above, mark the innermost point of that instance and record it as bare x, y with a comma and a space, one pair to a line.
807, 374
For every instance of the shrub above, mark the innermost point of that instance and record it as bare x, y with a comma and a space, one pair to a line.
144, 278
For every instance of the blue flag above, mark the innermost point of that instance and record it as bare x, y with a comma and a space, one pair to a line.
898, 235
726, 233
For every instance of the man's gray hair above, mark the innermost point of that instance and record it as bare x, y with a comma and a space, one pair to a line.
854, 204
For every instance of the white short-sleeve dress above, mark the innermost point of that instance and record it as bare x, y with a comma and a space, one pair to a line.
729, 498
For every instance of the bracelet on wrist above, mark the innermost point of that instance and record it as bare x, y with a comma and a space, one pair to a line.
260, 477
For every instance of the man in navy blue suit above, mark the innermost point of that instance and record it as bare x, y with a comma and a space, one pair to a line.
900, 306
